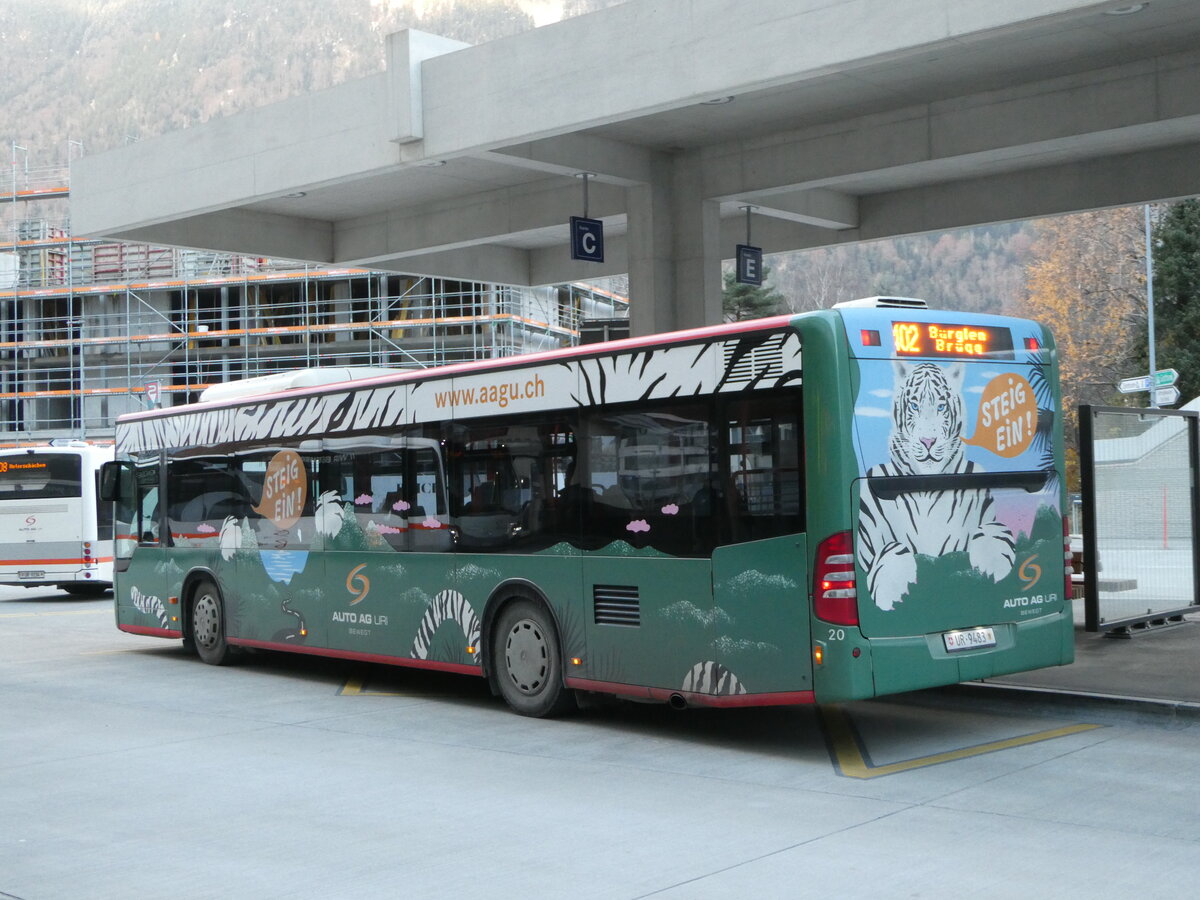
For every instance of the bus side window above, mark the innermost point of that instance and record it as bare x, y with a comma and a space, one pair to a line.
652, 473
765, 496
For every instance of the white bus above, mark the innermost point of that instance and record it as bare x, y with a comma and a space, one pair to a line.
53, 529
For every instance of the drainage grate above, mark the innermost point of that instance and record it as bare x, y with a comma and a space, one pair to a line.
615, 604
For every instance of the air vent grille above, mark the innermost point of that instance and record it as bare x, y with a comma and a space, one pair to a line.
883, 303
615, 604
763, 361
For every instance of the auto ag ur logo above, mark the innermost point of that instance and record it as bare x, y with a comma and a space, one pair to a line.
358, 584
1029, 573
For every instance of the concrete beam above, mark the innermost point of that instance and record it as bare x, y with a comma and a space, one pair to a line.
317, 139
1151, 102
1165, 174
489, 263
610, 161
819, 206
553, 265
482, 218
1160, 175
243, 232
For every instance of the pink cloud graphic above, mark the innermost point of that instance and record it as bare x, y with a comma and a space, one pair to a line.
388, 529
671, 509
363, 500
432, 522
205, 528
638, 525
400, 505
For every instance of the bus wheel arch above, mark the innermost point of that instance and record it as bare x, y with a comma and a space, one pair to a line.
204, 618
524, 660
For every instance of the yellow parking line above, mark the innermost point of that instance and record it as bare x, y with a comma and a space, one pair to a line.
355, 686
850, 760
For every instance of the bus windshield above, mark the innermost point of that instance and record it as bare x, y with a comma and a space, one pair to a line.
39, 476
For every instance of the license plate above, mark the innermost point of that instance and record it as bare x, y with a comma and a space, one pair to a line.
26, 573
971, 639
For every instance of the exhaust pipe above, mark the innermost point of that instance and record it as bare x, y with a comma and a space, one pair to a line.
677, 701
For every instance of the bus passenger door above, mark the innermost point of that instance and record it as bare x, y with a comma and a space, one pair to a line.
760, 573
650, 519
140, 590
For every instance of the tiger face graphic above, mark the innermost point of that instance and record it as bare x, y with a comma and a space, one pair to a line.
927, 418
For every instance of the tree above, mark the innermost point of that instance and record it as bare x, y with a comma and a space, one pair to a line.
749, 301
1086, 283
1177, 297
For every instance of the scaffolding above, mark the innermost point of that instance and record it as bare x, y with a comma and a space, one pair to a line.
92, 329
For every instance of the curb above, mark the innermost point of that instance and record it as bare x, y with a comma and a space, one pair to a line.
1187, 710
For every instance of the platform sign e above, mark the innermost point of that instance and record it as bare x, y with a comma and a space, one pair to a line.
749, 264
587, 239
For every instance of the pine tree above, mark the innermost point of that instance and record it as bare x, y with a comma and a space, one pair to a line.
749, 301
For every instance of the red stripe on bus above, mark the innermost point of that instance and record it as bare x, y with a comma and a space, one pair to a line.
151, 632
56, 562
457, 668
780, 698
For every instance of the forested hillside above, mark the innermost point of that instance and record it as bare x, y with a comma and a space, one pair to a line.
102, 72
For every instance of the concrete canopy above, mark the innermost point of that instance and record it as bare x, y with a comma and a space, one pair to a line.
837, 120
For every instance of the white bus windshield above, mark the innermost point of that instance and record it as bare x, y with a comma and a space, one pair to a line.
37, 476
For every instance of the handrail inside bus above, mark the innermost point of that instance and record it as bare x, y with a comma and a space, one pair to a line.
889, 487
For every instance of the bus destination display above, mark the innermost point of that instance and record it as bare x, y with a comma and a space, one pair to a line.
948, 340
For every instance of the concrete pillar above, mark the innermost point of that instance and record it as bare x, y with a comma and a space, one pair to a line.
674, 249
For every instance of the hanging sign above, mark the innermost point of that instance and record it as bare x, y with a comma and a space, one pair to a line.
587, 239
749, 264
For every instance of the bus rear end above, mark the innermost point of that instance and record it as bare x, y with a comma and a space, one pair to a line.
50, 521
953, 569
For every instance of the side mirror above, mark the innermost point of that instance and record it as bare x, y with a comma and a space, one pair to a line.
116, 478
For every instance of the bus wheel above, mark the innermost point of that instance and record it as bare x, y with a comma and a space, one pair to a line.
208, 625
527, 661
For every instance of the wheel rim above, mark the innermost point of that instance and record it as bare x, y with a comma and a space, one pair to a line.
206, 621
527, 657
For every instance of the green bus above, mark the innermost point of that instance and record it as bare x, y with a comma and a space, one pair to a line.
802, 509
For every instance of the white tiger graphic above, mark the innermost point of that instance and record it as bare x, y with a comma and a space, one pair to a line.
453, 606
926, 439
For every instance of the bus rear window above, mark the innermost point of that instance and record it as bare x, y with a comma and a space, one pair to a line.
38, 476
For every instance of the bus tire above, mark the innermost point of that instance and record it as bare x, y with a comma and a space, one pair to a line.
206, 625
527, 661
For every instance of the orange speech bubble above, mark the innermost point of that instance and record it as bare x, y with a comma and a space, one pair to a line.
1007, 416
285, 489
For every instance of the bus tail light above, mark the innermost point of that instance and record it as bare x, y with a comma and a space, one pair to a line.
835, 596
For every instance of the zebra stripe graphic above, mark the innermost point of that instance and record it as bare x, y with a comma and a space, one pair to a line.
150, 605
751, 362
712, 678
448, 605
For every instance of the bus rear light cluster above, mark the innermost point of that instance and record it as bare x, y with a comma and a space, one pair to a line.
87, 553
835, 596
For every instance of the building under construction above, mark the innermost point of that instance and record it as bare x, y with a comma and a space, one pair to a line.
91, 329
